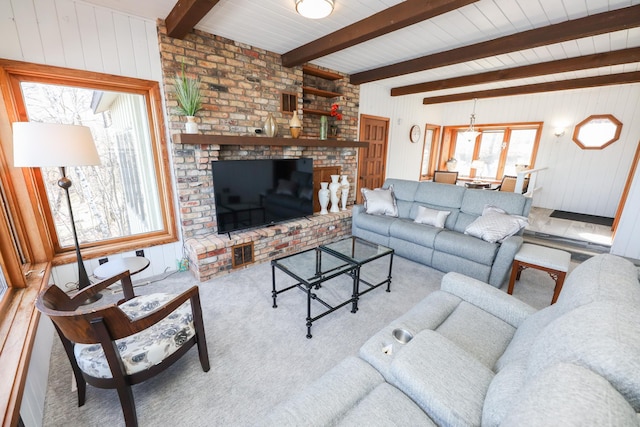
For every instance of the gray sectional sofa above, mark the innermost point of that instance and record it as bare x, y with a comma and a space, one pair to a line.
445, 249
481, 357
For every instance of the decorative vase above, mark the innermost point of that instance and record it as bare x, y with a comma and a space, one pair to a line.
452, 165
344, 187
334, 188
333, 129
323, 198
270, 126
323, 127
295, 126
191, 126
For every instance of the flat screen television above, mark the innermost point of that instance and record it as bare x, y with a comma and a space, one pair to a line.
253, 193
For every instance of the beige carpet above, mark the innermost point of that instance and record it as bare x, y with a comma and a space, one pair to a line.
259, 355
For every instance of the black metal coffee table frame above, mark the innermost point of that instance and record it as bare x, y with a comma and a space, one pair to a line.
345, 256
340, 267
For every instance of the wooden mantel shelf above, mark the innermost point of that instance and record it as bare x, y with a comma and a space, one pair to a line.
191, 138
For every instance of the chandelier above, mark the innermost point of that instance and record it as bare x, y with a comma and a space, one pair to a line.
471, 133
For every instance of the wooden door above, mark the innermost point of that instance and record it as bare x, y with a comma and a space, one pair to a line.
372, 160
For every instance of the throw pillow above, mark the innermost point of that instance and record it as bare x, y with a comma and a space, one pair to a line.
287, 187
431, 217
380, 201
495, 225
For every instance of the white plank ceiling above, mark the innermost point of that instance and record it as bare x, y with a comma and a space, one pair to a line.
275, 26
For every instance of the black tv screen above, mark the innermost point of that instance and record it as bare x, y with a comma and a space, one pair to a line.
252, 193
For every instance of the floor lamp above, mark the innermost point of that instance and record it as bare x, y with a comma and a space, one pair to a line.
56, 145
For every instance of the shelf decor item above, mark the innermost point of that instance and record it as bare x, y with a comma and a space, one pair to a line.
189, 99
323, 127
323, 198
334, 190
295, 126
344, 188
270, 126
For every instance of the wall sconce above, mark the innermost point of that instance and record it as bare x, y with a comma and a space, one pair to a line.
558, 132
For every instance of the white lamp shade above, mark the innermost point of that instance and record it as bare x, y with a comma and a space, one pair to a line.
314, 9
52, 144
477, 164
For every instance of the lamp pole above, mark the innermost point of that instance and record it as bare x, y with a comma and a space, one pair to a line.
83, 277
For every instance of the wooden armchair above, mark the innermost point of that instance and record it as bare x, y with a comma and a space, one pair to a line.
509, 184
445, 177
122, 344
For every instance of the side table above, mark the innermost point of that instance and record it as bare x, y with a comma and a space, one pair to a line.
135, 264
553, 261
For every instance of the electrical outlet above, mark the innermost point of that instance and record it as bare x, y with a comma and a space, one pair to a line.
332, 227
103, 260
140, 252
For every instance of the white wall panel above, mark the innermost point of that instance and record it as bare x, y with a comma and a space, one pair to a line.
77, 35
584, 181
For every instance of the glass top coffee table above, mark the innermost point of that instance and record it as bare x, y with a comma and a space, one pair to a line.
313, 267
361, 252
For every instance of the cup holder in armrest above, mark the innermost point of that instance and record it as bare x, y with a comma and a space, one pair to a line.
402, 335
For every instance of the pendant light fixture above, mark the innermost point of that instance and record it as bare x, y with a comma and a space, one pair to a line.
471, 133
314, 9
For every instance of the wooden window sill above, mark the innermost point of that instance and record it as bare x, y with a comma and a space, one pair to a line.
18, 325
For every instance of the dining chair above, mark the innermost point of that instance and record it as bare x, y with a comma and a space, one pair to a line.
125, 343
445, 177
509, 184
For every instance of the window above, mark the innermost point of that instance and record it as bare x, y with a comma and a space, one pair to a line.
126, 202
494, 153
596, 132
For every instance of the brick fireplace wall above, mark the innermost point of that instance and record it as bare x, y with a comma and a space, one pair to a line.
241, 85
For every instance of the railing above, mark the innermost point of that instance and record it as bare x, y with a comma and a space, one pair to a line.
533, 174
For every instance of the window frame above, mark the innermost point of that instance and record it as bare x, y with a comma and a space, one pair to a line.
448, 146
576, 131
16, 72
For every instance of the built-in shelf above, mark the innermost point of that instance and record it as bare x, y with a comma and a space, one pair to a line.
320, 92
199, 139
328, 75
316, 112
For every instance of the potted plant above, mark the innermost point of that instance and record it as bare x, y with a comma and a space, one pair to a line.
189, 99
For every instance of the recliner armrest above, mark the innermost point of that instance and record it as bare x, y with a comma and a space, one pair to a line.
492, 300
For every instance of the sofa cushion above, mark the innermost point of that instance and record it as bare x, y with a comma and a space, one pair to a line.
503, 393
602, 336
495, 225
379, 224
569, 395
384, 406
327, 399
477, 332
474, 202
404, 191
380, 201
465, 246
420, 234
448, 383
432, 217
603, 277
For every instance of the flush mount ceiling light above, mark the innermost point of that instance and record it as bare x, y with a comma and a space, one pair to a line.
314, 9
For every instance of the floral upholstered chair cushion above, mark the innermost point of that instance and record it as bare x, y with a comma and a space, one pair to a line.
147, 348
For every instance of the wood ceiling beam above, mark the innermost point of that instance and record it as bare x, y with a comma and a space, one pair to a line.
185, 15
600, 23
617, 57
394, 18
586, 82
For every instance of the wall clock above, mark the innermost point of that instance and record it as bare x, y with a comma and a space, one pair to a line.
414, 133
